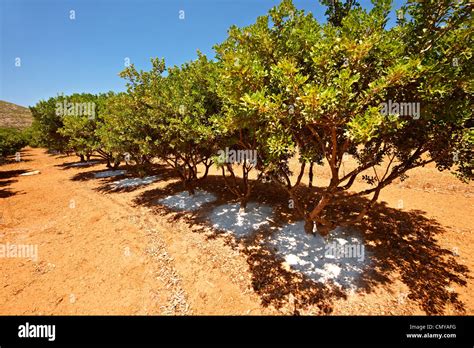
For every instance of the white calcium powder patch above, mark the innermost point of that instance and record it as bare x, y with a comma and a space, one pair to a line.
132, 182
83, 164
109, 173
186, 202
341, 256
228, 218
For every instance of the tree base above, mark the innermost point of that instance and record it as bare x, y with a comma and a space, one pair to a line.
309, 227
323, 230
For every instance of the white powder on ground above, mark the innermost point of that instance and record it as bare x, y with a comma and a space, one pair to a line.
185, 202
83, 164
131, 182
228, 218
109, 173
340, 256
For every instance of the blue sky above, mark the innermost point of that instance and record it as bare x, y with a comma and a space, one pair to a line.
85, 54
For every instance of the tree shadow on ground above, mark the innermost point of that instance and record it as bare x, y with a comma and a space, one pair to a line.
406, 243
79, 164
125, 182
6, 180
13, 159
399, 242
6, 192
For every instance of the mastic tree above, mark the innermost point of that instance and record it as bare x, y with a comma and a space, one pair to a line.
11, 141
70, 124
47, 122
78, 118
244, 59
391, 98
187, 103
258, 67
129, 125
324, 88
120, 134
81, 126
337, 10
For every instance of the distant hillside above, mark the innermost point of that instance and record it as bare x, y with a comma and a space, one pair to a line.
14, 116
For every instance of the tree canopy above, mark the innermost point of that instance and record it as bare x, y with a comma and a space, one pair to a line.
391, 98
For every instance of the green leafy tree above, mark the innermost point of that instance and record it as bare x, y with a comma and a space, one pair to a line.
79, 123
47, 122
184, 112
129, 128
244, 58
81, 126
320, 90
167, 117
11, 141
392, 99
119, 134
337, 10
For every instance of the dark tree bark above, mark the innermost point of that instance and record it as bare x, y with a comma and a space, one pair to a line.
311, 174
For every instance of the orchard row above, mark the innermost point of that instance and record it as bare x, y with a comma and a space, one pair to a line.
290, 86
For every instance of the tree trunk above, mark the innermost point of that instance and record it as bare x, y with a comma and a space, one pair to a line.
206, 172
191, 190
188, 186
116, 163
243, 203
82, 158
311, 174
309, 226
323, 230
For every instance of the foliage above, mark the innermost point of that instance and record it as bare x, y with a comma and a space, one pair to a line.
391, 98
48, 122
189, 103
11, 141
321, 88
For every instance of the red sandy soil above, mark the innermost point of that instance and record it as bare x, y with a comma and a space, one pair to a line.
113, 252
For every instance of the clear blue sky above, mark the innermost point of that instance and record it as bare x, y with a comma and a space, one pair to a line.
86, 54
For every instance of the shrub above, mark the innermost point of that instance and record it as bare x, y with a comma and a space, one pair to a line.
11, 141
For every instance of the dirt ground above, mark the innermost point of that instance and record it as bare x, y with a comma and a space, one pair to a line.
106, 251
